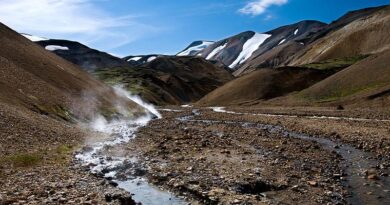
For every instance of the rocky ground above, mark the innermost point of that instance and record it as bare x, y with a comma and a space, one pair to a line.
227, 160
54, 184
213, 157
37, 163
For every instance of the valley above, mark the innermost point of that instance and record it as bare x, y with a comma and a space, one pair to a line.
295, 114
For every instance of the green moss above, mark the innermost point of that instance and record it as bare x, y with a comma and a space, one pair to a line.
64, 149
336, 63
55, 110
58, 155
23, 160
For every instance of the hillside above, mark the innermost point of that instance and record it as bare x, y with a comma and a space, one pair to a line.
87, 58
263, 85
38, 88
361, 32
169, 80
361, 83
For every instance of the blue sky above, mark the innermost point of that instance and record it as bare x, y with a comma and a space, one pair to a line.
131, 27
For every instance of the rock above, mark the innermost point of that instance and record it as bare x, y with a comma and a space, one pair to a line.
373, 177
112, 183
236, 201
312, 183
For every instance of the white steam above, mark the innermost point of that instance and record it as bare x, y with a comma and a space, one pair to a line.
149, 107
119, 131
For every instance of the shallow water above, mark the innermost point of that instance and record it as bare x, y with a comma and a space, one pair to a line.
99, 162
149, 194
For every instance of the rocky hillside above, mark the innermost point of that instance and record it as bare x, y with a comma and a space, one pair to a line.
169, 79
87, 58
39, 84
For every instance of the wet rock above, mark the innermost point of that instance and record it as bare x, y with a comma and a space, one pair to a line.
112, 183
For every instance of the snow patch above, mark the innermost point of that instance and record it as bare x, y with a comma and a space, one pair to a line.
296, 31
282, 41
249, 48
150, 59
137, 58
197, 48
55, 47
216, 51
34, 38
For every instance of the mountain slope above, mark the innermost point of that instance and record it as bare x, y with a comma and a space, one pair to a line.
169, 79
360, 32
249, 50
284, 42
194, 48
264, 84
364, 81
228, 50
43, 89
87, 58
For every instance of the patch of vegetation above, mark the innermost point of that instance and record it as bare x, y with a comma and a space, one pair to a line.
60, 154
55, 110
139, 81
23, 160
336, 63
339, 93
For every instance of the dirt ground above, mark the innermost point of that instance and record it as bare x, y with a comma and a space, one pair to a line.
249, 156
225, 158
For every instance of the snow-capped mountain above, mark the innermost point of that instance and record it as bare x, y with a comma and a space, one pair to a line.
241, 50
79, 54
195, 47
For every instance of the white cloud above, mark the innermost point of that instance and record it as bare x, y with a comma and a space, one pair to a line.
258, 7
79, 20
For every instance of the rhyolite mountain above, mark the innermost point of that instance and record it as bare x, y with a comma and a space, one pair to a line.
355, 48
361, 32
169, 79
249, 46
87, 58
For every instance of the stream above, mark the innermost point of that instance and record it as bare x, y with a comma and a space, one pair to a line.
94, 156
363, 190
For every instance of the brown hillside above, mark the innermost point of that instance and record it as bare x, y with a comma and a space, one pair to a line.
264, 84
40, 91
367, 80
368, 34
